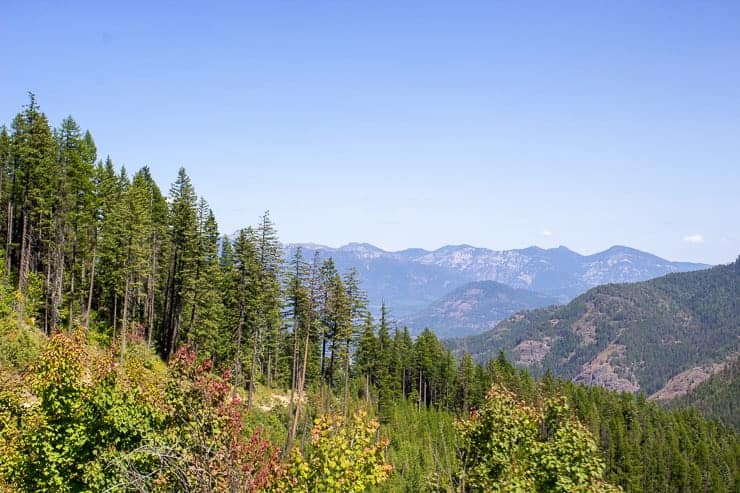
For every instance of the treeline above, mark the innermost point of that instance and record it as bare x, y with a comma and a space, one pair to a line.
644, 446
91, 245
86, 243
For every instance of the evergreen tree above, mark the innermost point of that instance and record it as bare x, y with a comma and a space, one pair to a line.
271, 262
466, 377
135, 217
357, 300
182, 253
382, 367
108, 193
405, 367
204, 308
248, 287
367, 353
75, 209
34, 171
6, 187
327, 273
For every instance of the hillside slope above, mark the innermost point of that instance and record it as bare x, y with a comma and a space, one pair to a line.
627, 336
717, 398
474, 308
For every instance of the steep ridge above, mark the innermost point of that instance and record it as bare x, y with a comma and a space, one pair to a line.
635, 336
718, 397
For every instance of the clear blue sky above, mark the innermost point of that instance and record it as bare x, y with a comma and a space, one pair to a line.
405, 124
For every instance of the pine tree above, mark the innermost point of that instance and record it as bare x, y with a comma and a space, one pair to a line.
466, 375
135, 216
339, 322
182, 253
366, 355
6, 188
113, 238
382, 369
157, 236
34, 162
327, 275
248, 270
357, 300
75, 212
108, 192
271, 262
425, 352
299, 316
405, 350
227, 287
204, 308
87, 228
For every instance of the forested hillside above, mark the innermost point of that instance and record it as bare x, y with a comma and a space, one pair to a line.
140, 350
627, 336
718, 397
473, 308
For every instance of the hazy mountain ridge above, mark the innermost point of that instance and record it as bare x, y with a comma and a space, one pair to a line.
473, 308
635, 336
409, 280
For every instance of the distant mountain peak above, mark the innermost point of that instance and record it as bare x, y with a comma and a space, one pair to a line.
363, 250
623, 249
361, 246
307, 246
411, 279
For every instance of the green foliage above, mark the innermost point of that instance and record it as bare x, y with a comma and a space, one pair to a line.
69, 420
78, 422
647, 448
508, 446
19, 345
422, 448
344, 457
203, 445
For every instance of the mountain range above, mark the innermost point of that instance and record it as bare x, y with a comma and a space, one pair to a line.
410, 280
663, 336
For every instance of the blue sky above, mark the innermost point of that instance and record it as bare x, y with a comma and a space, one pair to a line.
411, 124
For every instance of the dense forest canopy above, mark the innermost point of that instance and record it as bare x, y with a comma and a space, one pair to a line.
141, 350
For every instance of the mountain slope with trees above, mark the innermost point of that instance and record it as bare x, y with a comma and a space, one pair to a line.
626, 336
474, 308
718, 397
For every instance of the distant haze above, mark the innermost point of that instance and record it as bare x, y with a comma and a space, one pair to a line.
410, 280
